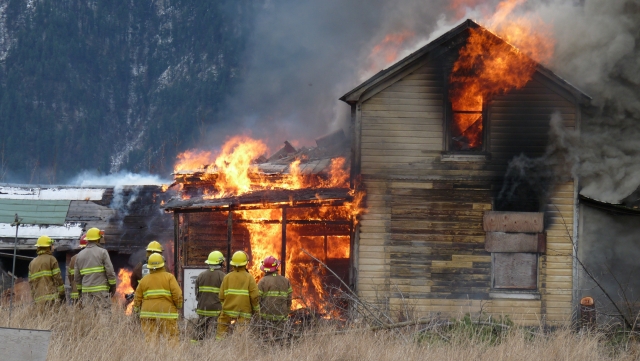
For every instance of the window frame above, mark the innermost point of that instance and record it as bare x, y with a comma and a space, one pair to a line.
448, 123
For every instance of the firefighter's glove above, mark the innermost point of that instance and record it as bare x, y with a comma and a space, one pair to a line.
112, 290
129, 296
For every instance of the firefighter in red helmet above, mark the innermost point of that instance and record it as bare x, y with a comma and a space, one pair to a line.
275, 292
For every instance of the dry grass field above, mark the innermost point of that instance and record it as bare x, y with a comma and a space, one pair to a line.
84, 335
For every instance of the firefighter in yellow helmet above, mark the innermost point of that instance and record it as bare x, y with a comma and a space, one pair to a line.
157, 300
71, 271
45, 279
207, 294
141, 269
94, 274
238, 295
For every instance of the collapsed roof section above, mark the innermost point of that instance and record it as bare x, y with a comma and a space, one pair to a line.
313, 161
264, 199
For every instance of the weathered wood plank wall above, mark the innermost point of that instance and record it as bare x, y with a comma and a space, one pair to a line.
421, 242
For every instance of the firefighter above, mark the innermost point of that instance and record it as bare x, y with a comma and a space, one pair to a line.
238, 295
275, 292
207, 289
45, 279
93, 273
141, 269
71, 272
157, 300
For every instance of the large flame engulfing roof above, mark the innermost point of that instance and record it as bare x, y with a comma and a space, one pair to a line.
493, 63
242, 171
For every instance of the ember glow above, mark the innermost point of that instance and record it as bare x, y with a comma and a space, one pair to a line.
492, 63
123, 287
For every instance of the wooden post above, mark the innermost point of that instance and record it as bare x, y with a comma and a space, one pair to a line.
177, 247
353, 232
283, 252
229, 237
326, 250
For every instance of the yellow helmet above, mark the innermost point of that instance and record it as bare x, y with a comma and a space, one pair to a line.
155, 261
155, 246
215, 258
44, 241
239, 259
94, 234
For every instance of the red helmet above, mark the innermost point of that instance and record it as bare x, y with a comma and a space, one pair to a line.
83, 241
270, 264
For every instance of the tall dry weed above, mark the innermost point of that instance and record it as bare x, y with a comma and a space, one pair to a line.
85, 335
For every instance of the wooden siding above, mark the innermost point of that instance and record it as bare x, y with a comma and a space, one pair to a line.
556, 266
403, 128
372, 277
422, 247
519, 122
436, 244
402, 125
421, 242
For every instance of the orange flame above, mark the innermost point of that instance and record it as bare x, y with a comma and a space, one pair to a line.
308, 279
234, 162
235, 173
489, 65
386, 52
123, 287
192, 159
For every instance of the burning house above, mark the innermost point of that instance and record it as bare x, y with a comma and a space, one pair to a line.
295, 201
429, 210
446, 230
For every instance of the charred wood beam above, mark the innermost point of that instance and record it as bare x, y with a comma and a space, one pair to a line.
292, 221
248, 207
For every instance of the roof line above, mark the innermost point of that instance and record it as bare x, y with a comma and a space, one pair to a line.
610, 207
356, 93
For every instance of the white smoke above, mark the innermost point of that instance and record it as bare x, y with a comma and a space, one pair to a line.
122, 178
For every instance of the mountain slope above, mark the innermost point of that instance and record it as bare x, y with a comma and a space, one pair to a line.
111, 84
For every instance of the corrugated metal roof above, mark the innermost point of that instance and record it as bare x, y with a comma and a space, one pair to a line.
34, 211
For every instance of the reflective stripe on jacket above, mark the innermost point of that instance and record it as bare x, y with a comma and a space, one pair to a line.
45, 278
239, 294
207, 292
71, 277
275, 297
158, 295
93, 271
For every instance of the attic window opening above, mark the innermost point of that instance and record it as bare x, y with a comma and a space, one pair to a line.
466, 131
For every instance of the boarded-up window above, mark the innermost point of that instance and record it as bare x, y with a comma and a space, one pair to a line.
515, 271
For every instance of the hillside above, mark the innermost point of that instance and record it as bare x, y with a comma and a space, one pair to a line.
107, 85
